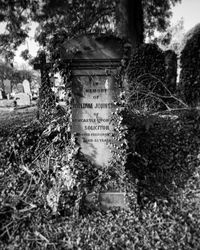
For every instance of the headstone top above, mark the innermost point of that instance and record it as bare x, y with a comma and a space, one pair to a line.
93, 47
26, 85
20, 88
22, 99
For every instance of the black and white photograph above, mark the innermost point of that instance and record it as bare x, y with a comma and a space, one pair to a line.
99, 124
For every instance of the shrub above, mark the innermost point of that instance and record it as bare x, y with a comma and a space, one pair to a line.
146, 76
190, 68
171, 70
164, 151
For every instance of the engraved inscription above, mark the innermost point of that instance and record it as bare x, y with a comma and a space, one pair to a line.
91, 115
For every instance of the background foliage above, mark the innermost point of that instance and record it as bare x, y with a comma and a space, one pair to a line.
59, 20
45, 181
146, 76
16, 76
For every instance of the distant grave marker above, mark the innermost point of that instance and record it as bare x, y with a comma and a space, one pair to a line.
1, 94
20, 88
7, 87
14, 89
26, 86
22, 99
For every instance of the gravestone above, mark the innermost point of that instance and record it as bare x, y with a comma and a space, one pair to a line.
1, 93
14, 89
20, 88
95, 89
92, 109
22, 99
7, 87
26, 86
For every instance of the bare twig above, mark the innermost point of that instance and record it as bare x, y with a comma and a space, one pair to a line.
38, 234
42, 153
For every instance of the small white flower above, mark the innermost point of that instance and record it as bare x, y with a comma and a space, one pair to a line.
67, 178
53, 199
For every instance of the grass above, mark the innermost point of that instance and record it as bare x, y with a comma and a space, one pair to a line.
10, 122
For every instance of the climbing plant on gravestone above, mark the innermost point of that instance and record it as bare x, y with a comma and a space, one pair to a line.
146, 77
47, 101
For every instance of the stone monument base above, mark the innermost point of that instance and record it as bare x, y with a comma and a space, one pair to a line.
110, 200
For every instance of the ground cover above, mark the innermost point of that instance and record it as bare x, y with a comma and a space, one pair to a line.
12, 120
28, 222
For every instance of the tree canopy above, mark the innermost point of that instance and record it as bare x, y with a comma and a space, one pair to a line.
59, 20
13, 74
172, 38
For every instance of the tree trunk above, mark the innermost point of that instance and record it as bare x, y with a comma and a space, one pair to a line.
130, 23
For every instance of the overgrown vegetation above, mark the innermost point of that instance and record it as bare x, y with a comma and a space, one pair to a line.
43, 202
146, 76
165, 152
151, 80
45, 182
49, 190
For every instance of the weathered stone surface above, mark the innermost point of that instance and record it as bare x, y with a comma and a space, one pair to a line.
113, 199
93, 47
1, 94
5, 103
94, 63
91, 115
22, 99
20, 88
95, 90
107, 200
26, 86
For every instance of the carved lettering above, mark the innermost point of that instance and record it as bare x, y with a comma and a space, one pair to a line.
97, 127
82, 106
105, 106
91, 116
92, 91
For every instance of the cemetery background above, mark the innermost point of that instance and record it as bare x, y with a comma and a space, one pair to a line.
41, 163
11, 83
